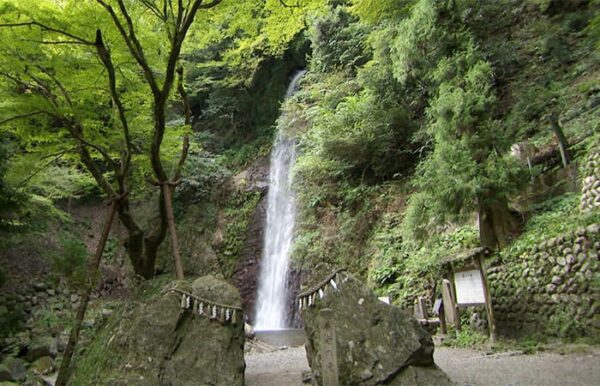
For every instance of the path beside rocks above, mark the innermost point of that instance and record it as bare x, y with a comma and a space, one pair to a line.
473, 368
464, 366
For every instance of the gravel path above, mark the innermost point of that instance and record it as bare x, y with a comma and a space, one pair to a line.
277, 368
464, 366
473, 368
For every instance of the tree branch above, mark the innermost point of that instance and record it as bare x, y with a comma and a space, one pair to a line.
56, 157
21, 116
154, 9
50, 29
132, 44
210, 5
187, 111
57, 82
184, 153
105, 56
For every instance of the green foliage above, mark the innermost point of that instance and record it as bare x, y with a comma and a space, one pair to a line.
11, 319
69, 261
466, 337
375, 11
338, 42
203, 175
10, 201
465, 146
565, 326
99, 361
406, 270
554, 217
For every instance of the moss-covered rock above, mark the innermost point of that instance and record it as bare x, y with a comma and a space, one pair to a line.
376, 343
156, 342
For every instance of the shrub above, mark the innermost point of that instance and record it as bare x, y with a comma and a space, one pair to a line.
69, 260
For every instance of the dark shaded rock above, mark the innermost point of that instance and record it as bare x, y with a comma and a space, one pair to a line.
5, 374
16, 368
40, 348
246, 274
418, 375
156, 342
376, 343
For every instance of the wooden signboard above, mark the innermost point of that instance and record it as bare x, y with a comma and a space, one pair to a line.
469, 288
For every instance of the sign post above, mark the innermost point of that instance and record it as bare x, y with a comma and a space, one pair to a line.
328, 349
488, 301
470, 286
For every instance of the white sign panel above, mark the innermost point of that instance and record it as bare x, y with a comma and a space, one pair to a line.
469, 287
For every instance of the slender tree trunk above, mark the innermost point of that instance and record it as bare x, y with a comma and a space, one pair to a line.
497, 226
563, 145
163, 182
64, 372
173, 231
156, 236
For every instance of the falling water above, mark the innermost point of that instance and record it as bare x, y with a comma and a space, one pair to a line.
271, 308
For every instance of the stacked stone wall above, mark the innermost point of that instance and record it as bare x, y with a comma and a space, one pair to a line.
550, 288
590, 190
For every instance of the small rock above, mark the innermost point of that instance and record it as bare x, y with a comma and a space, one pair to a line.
51, 292
306, 376
594, 228
88, 323
248, 331
74, 298
43, 366
38, 350
39, 286
557, 280
106, 313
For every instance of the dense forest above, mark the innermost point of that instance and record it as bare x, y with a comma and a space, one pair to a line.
423, 128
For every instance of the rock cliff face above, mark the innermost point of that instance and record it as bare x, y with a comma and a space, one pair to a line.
376, 343
256, 179
247, 270
157, 342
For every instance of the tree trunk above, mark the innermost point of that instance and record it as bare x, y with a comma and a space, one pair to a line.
562, 140
64, 372
156, 236
173, 231
497, 226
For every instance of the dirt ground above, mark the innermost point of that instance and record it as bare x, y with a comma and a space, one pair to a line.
466, 367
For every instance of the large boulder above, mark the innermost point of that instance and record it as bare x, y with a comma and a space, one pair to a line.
376, 343
157, 342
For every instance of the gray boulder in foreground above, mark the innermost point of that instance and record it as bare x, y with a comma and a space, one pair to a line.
376, 343
157, 342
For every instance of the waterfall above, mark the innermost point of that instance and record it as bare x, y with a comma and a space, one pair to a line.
271, 307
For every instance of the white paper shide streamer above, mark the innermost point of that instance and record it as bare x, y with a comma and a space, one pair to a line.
203, 307
308, 299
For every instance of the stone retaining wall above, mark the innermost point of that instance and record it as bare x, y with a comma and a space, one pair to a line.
590, 191
551, 289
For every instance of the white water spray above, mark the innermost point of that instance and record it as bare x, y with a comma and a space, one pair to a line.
271, 307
